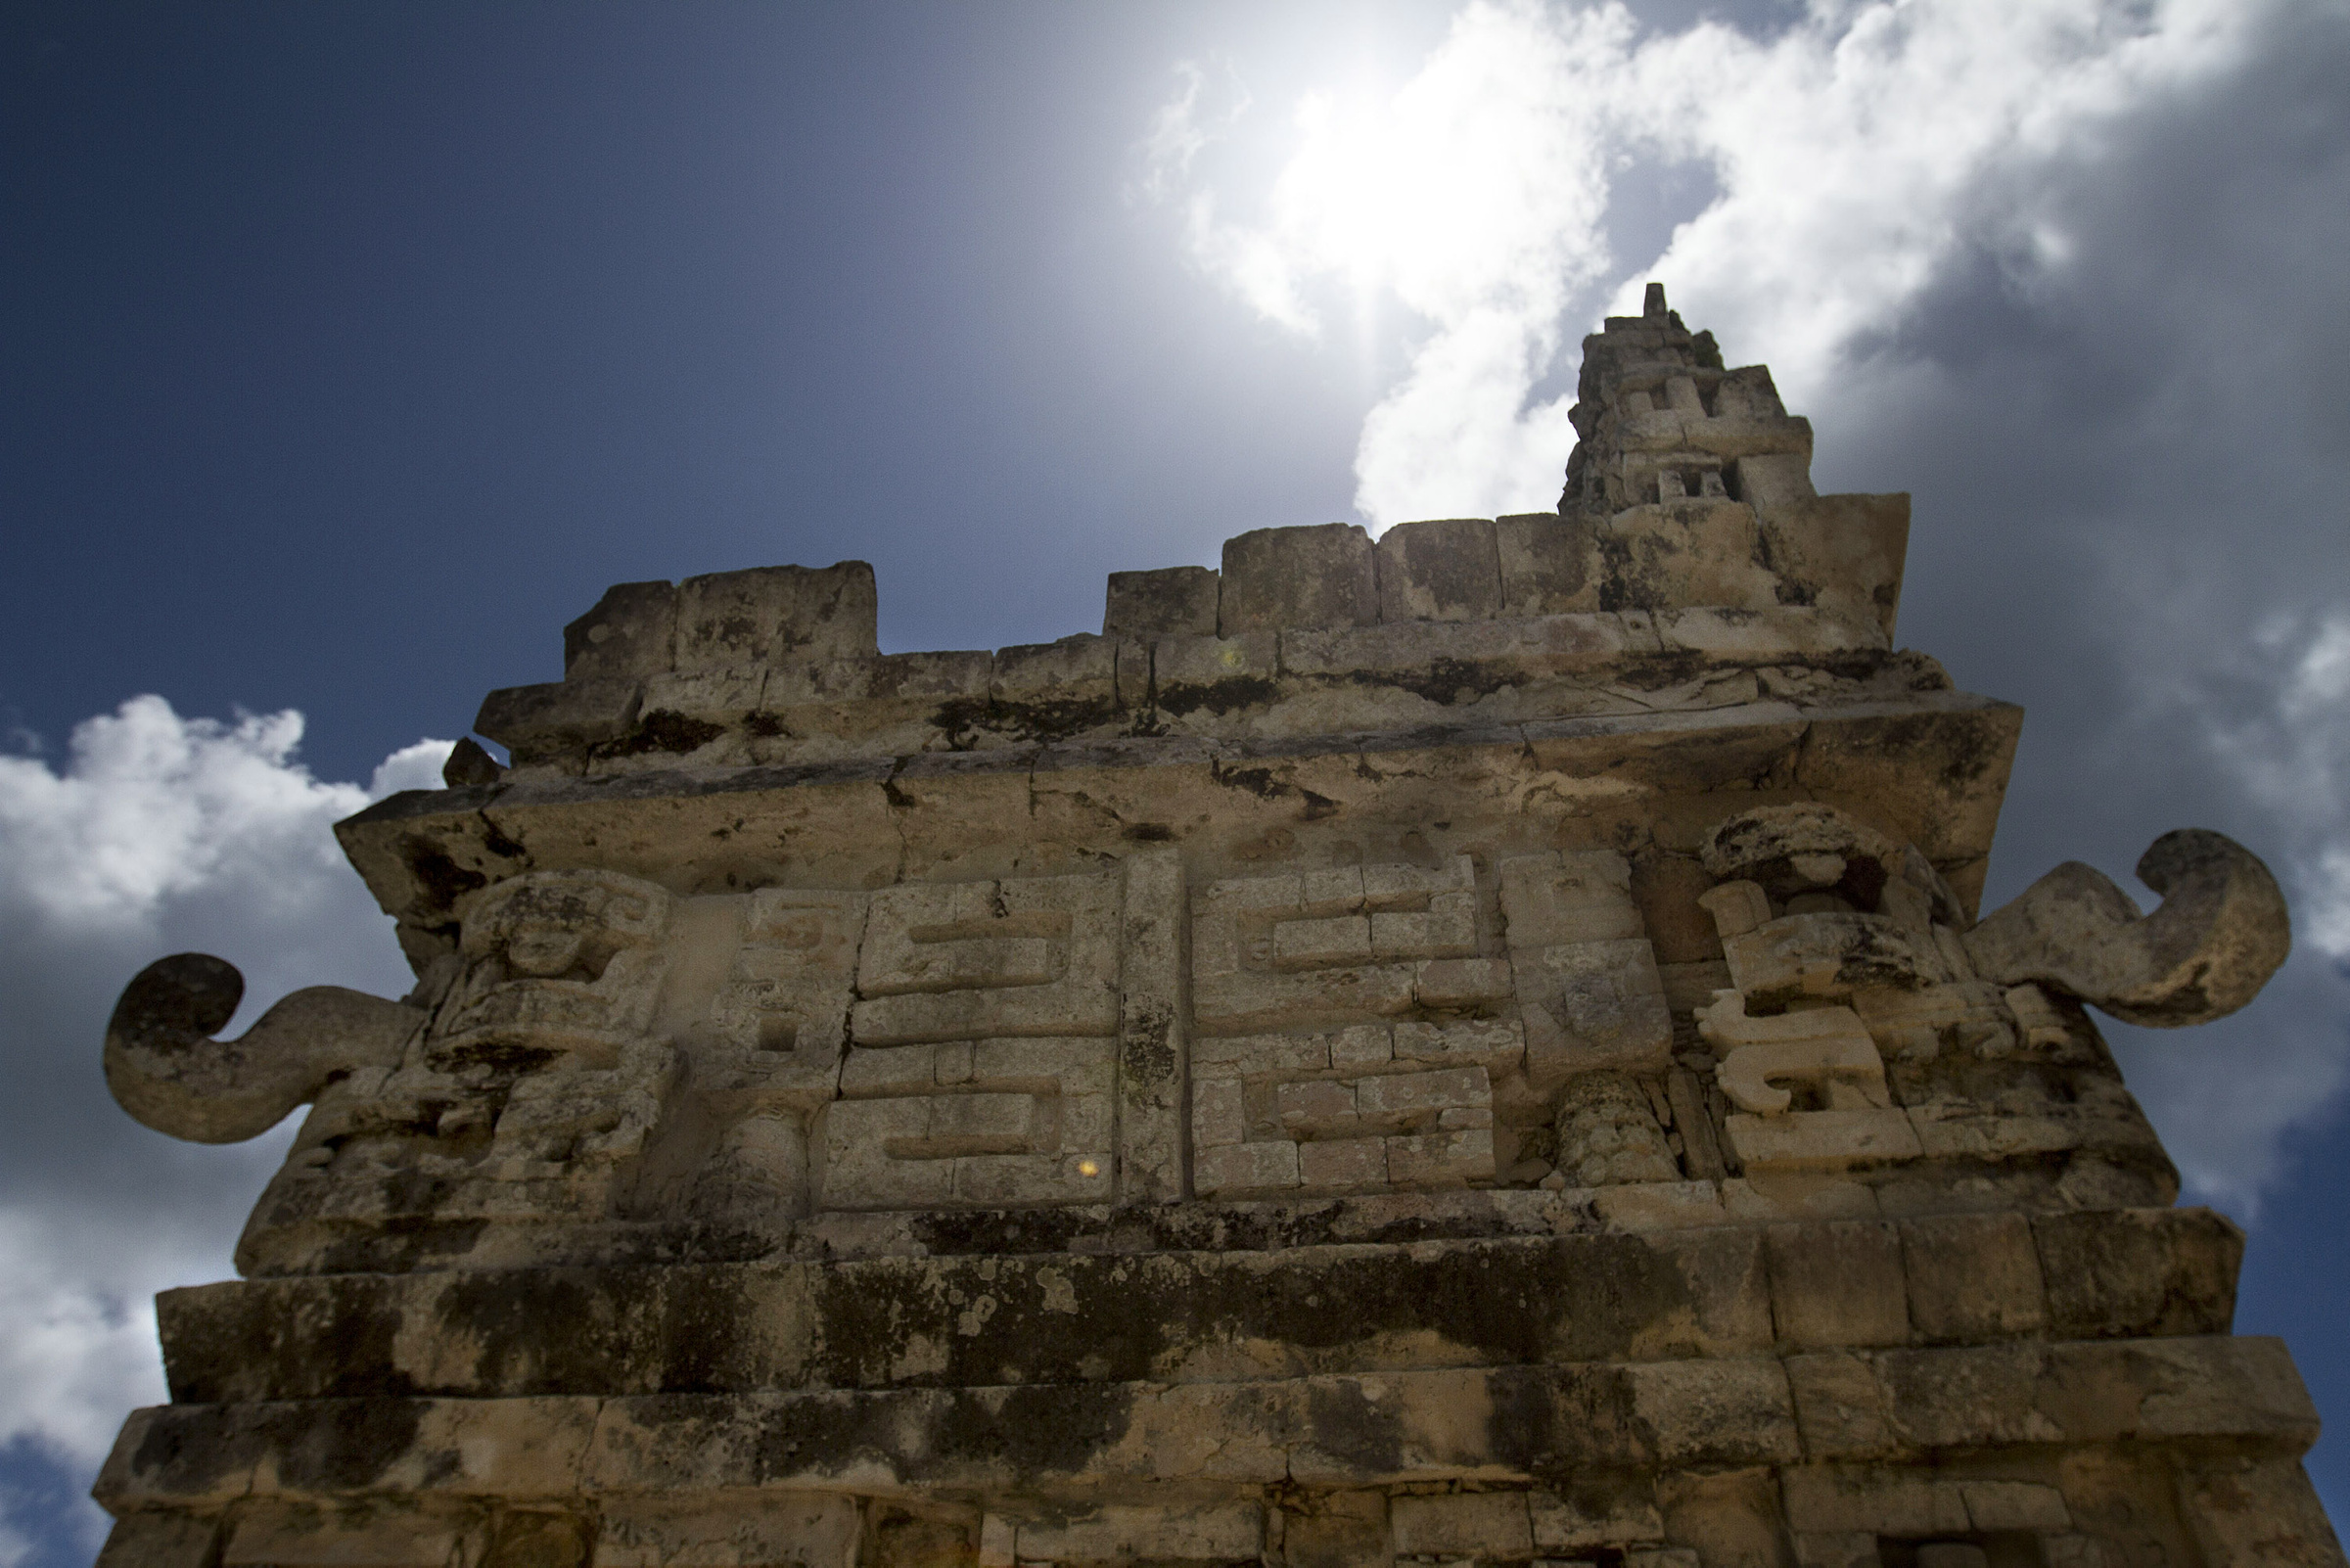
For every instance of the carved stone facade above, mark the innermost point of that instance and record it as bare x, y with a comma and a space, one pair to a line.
1473, 1047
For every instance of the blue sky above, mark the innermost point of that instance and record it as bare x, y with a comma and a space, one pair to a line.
350, 350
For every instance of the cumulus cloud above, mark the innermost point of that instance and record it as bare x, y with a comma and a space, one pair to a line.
2067, 269
156, 833
1846, 152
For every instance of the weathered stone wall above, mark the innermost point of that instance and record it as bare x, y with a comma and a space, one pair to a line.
1472, 1048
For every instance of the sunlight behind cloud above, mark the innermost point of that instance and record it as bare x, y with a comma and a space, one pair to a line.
1848, 154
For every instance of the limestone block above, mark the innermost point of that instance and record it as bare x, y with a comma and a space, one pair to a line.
1772, 482
536, 722
1843, 553
1830, 954
961, 960
2139, 1272
1840, 1404
1172, 602
1079, 669
2241, 1390
1260, 1056
1849, 1548
2245, 1511
1697, 551
627, 635
1215, 673
1440, 1159
1463, 661
1821, 1140
1350, 1164
2015, 1505
1240, 1168
859, 1171
1444, 570
718, 694
1738, 908
1599, 1517
783, 1006
794, 1530
1275, 578
1838, 1284
1202, 1533
1958, 1131
1484, 1526
788, 616
386, 1536
1335, 1530
161, 1541
1754, 634
1825, 1053
1555, 899
1826, 1499
1592, 1006
1586, 976
1495, 1045
931, 678
1973, 1276
558, 963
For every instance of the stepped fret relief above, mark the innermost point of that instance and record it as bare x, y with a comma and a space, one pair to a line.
1361, 1108
1472, 1048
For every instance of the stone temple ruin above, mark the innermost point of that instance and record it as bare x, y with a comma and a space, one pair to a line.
1473, 1047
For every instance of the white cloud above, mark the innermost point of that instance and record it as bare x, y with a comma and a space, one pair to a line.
1847, 154
156, 833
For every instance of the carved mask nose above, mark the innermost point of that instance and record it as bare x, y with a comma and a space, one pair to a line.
543, 951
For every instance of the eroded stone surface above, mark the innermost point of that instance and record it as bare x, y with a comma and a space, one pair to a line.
1471, 1046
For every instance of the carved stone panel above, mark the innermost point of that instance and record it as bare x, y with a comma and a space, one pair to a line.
557, 963
970, 960
1587, 979
1337, 1098
1318, 949
991, 1123
782, 1012
982, 1067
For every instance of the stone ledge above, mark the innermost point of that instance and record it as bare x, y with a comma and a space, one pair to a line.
842, 820
1511, 1425
1293, 680
1067, 1317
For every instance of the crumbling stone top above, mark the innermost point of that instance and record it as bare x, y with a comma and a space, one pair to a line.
1690, 548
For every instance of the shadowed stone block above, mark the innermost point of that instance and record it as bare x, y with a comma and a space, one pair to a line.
1170, 602
528, 719
783, 615
1444, 570
630, 633
1276, 579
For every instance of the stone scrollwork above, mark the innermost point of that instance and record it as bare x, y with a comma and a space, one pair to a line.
165, 1070
2221, 932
